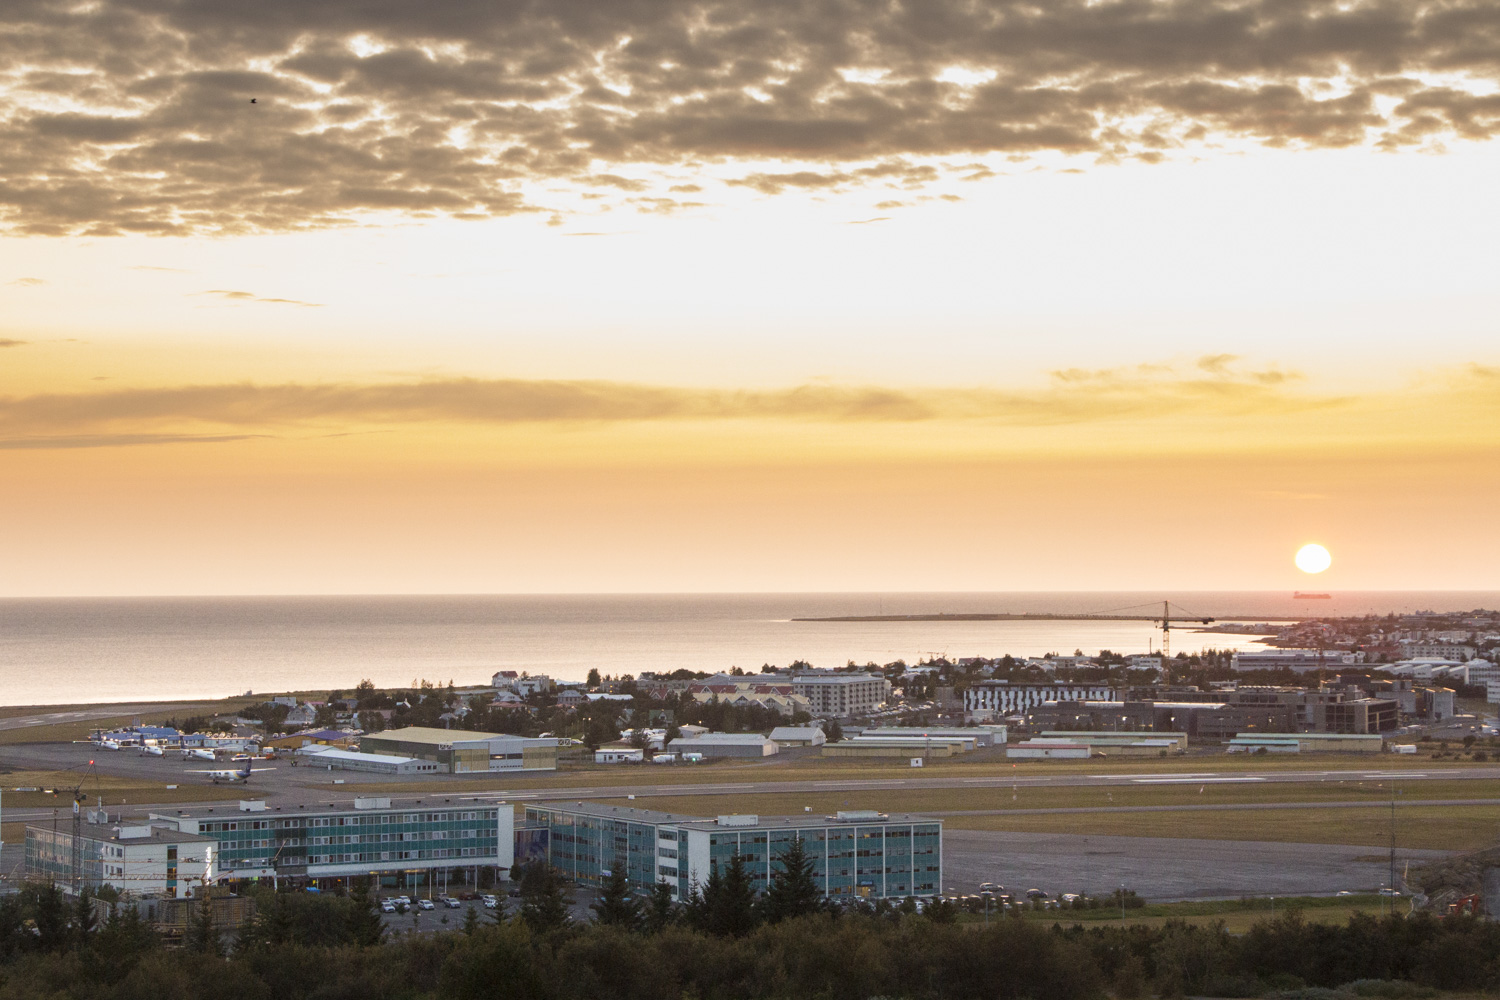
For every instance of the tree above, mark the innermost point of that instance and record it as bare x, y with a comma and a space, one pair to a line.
593, 679
202, 935
661, 908
615, 905
727, 905
793, 891
543, 907
83, 918
471, 922
365, 926
50, 915
833, 731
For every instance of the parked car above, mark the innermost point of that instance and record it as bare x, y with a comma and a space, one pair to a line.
452, 903
1036, 894
426, 904
990, 887
490, 902
386, 906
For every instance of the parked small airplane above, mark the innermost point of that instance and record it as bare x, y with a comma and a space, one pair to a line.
232, 776
109, 744
150, 751
199, 754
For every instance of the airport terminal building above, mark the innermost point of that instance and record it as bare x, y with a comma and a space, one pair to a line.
855, 854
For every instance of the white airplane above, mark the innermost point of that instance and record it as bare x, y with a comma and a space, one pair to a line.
150, 751
199, 754
233, 776
109, 744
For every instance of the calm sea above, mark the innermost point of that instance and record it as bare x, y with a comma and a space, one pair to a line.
61, 651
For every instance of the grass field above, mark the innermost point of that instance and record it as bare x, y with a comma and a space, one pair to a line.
65, 732
1443, 828
1067, 797
821, 769
113, 789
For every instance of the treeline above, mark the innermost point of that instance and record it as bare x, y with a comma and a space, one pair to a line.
725, 945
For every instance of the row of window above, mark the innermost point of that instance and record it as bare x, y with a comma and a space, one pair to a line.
373, 819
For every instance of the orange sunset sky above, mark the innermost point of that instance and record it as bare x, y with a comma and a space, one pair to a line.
598, 296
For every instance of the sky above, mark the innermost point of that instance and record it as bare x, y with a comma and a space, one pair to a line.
605, 296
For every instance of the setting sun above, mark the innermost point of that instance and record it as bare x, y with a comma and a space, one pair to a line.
1313, 558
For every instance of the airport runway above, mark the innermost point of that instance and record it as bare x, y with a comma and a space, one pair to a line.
1163, 869
1157, 868
304, 784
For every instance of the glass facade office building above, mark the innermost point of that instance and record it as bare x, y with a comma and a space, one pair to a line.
398, 843
854, 854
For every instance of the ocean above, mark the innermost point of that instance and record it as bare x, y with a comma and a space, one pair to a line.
71, 650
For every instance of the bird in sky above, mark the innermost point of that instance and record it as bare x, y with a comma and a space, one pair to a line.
252, 100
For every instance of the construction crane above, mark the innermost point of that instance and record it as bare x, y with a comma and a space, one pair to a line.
1168, 614
1166, 627
76, 793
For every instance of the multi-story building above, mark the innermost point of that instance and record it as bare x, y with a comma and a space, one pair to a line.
988, 699
1300, 660
854, 854
139, 858
841, 694
398, 842
1419, 649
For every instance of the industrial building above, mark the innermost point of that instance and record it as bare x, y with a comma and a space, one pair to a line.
854, 854
458, 751
798, 736
1042, 749
983, 736
725, 745
1176, 741
334, 759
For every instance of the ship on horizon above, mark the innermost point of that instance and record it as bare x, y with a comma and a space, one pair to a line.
1301, 596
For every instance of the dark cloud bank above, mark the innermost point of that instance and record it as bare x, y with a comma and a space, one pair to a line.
135, 115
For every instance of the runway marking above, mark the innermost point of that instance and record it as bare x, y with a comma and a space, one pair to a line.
1137, 777
1190, 781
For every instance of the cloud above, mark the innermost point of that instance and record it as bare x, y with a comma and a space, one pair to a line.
6, 342
167, 270
66, 441
29, 282
237, 296
276, 408
133, 116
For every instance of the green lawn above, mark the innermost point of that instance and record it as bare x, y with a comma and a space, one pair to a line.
1446, 828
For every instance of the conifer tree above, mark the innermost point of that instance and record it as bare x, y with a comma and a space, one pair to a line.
793, 891
543, 907
202, 936
83, 918
661, 908
365, 926
615, 905
729, 900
